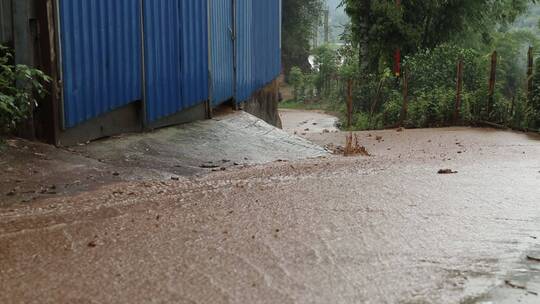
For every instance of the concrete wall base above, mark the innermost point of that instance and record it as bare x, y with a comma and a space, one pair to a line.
197, 112
127, 119
264, 104
123, 120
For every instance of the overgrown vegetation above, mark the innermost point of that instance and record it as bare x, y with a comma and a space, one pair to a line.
299, 19
20, 86
433, 37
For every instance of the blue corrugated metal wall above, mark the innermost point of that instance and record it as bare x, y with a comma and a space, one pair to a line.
176, 56
194, 51
163, 58
222, 50
244, 53
102, 53
258, 45
101, 56
266, 41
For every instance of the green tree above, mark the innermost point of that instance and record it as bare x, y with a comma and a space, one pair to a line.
299, 19
380, 26
326, 64
533, 115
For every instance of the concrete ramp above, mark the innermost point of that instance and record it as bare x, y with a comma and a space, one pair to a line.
231, 140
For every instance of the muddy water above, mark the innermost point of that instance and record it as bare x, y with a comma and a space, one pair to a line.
302, 122
380, 229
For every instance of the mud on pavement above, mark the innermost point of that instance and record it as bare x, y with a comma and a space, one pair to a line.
381, 229
35, 171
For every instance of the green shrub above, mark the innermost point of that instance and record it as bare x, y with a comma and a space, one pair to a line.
392, 109
466, 113
520, 116
20, 85
533, 109
326, 66
296, 80
431, 109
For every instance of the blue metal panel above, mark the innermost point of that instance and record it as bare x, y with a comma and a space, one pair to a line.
176, 56
258, 45
194, 51
244, 52
163, 62
101, 56
222, 48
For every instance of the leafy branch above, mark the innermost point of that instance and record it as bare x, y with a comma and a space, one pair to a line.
20, 88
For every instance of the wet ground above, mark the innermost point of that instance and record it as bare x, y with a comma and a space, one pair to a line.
381, 229
34, 171
302, 122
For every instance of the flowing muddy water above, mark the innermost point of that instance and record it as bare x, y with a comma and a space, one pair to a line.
379, 229
302, 122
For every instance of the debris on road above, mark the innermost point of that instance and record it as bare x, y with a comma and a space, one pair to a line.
335, 149
533, 258
209, 165
353, 147
514, 285
447, 171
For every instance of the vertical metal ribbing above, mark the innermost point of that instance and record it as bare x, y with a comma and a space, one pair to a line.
210, 81
143, 67
235, 47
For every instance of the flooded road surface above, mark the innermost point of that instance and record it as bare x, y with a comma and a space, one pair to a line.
381, 229
302, 122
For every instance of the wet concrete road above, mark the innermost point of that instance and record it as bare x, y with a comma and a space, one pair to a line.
380, 229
